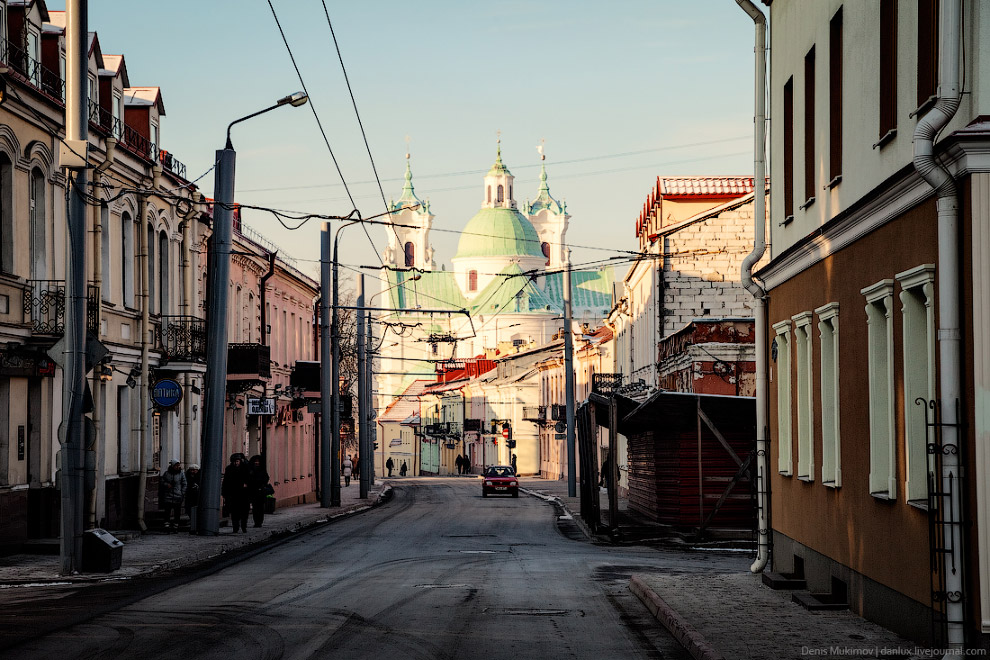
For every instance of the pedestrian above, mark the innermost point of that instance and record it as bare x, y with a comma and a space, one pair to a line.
348, 466
512, 462
606, 476
258, 489
192, 496
171, 493
459, 462
467, 464
235, 492
389, 464
402, 469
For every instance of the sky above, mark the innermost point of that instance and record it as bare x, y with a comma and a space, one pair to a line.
620, 92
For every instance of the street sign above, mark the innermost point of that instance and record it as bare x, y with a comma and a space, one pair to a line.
261, 406
506, 433
166, 393
560, 427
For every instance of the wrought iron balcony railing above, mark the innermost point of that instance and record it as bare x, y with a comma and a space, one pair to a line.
251, 361
182, 338
605, 384
535, 413
28, 69
142, 147
44, 306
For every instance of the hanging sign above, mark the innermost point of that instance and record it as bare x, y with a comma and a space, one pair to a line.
166, 393
260, 406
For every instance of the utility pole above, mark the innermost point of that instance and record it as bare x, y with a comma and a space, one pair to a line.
215, 383
73, 155
328, 374
369, 362
364, 446
569, 382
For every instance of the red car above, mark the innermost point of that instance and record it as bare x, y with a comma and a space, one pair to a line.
500, 480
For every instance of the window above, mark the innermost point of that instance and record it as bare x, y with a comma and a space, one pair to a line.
835, 98
154, 133
105, 242
927, 50
784, 454
789, 149
36, 207
888, 70
809, 127
410, 255
489, 194
500, 195
127, 259
118, 114
546, 251
473, 280
828, 327
163, 274
6, 214
94, 99
33, 59
150, 270
880, 337
918, 310
805, 437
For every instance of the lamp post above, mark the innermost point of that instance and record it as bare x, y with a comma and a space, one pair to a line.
218, 269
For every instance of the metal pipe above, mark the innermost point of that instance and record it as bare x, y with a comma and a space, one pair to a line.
949, 302
189, 453
364, 446
327, 373
263, 298
143, 444
335, 373
757, 291
569, 382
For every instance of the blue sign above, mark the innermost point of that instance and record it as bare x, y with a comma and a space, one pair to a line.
166, 393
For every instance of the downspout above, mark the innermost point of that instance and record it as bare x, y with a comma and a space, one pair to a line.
144, 400
757, 291
189, 454
94, 495
949, 294
263, 302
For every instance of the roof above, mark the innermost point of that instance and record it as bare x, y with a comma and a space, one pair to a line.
144, 96
499, 232
405, 405
511, 291
543, 201
704, 186
590, 289
435, 289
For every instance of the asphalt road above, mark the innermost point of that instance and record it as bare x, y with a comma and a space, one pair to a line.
437, 573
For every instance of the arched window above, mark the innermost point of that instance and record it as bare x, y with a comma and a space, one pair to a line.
127, 259
250, 314
489, 194
105, 262
546, 251
163, 274
6, 215
473, 280
39, 262
410, 255
150, 270
501, 194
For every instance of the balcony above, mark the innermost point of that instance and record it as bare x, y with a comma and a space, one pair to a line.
44, 307
29, 70
605, 384
247, 365
142, 147
103, 120
181, 338
536, 414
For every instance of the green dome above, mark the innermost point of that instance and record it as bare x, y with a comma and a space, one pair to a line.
499, 232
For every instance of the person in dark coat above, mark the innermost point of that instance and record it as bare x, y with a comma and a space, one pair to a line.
257, 486
402, 469
389, 464
172, 491
235, 492
459, 462
192, 496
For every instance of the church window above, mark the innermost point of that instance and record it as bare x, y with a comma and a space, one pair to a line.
501, 194
489, 194
473, 280
410, 255
546, 251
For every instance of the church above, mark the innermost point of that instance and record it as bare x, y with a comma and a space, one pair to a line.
502, 294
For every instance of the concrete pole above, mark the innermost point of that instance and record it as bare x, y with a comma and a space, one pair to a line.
569, 383
215, 382
334, 418
364, 446
73, 384
327, 373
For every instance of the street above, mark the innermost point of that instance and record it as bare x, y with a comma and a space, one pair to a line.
439, 572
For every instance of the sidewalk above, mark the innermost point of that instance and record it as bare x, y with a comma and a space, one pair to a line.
154, 551
733, 616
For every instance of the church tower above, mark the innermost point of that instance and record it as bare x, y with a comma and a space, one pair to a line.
498, 185
549, 218
409, 233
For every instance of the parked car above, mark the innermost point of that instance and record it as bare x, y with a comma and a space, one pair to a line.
500, 480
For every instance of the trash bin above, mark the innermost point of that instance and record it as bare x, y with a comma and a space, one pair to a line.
102, 552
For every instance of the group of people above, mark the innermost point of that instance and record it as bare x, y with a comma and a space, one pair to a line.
390, 465
463, 464
245, 486
176, 488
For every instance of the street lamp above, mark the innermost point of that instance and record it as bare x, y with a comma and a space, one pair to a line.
218, 269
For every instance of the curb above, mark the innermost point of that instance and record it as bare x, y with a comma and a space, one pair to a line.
560, 506
683, 632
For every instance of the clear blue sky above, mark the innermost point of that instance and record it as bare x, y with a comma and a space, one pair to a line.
621, 91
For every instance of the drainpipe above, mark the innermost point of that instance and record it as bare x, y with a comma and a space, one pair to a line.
949, 294
95, 495
263, 299
757, 291
186, 309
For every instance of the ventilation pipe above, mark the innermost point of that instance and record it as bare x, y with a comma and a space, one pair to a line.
759, 294
949, 294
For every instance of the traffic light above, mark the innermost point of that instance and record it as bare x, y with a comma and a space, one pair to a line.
511, 444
